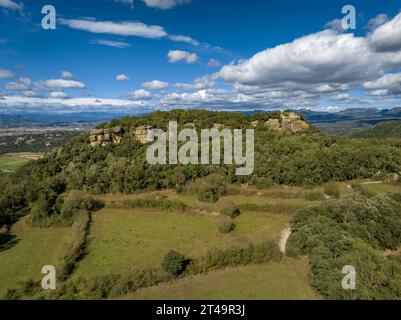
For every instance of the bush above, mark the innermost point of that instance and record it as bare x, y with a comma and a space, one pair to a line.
332, 190
226, 225
229, 209
314, 196
76, 202
362, 190
174, 263
211, 188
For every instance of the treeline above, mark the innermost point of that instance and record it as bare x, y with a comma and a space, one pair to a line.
351, 232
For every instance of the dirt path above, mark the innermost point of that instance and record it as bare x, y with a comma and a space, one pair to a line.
285, 235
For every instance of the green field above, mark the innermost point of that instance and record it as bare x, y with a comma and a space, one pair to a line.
123, 239
34, 249
274, 281
12, 163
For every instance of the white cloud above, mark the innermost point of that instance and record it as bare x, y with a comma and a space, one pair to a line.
205, 82
62, 84
122, 77
12, 5
155, 85
179, 55
140, 94
185, 39
387, 37
164, 4
66, 75
321, 59
389, 84
58, 94
5, 74
21, 84
377, 21
213, 63
138, 29
29, 93
111, 43
336, 24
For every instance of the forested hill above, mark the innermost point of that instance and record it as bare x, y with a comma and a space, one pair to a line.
391, 129
304, 157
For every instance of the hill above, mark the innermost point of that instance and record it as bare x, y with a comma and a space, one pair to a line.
391, 129
127, 221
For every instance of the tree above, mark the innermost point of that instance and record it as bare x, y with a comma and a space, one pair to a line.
174, 263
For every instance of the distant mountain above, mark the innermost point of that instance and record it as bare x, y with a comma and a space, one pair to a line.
49, 120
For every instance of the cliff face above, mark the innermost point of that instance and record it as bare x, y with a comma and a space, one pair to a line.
289, 122
103, 137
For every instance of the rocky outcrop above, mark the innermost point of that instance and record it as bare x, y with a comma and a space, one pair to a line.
289, 122
141, 133
103, 137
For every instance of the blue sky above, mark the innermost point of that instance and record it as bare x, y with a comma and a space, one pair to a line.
140, 55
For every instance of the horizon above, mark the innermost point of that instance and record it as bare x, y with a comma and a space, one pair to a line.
136, 57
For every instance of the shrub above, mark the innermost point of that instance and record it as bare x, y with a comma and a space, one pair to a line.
174, 263
229, 209
76, 202
226, 225
211, 188
314, 196
362, 190
332, 190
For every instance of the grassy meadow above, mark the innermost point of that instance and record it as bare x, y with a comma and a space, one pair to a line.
33, 249
286, 280
122, 240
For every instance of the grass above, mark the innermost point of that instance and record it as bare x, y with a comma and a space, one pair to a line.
34, 249
123, 239
382, 188
288, 279
12, 163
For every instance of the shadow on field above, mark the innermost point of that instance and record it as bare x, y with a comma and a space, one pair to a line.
7, 241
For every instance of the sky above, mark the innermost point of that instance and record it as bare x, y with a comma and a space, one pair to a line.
137, 56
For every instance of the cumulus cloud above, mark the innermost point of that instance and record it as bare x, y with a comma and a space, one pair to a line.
62, 84
66, 75
321, 59
205, 82
20, 85
389, 84
140, 94
29, 93
179, 55
336, 24
58, 94
164, 4
387, 37
377, 21
5, 74
122, 77
111, 43
155, 85
137, 29
11, 5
